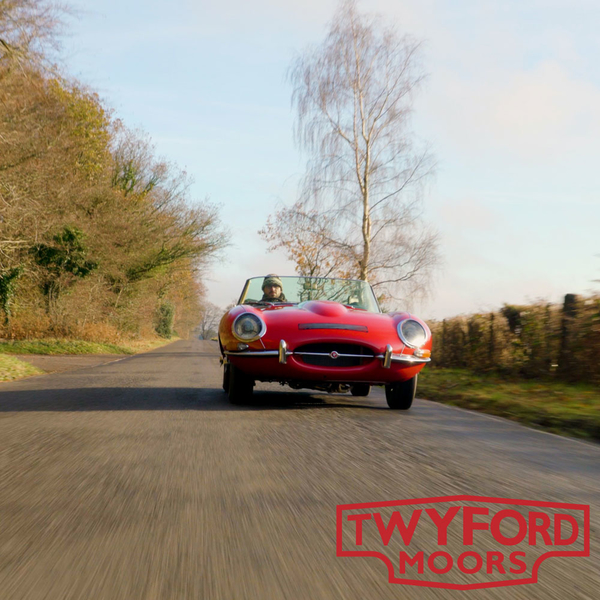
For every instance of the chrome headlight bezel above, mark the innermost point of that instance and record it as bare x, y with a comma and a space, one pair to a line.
405, 338
248, 315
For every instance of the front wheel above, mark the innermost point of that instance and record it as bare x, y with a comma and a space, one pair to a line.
400, 395
240, 386
226, 377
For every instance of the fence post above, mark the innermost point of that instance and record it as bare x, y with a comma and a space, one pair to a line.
569, 314
442, 350
547, 346
492, 342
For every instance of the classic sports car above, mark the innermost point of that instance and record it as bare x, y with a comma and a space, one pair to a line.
320, 333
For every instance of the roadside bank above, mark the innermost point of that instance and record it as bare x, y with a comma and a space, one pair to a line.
26, 358
569, 409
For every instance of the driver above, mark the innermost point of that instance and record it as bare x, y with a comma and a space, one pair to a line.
272, 289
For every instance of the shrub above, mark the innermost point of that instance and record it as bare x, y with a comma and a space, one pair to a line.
165, 318
537, 340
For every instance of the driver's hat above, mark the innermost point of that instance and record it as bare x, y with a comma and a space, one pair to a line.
271, 279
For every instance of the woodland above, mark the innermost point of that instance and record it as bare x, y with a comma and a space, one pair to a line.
99, 238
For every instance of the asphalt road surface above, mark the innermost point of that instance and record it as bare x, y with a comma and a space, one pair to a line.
138, 480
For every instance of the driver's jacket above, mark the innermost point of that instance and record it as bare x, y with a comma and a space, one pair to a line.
281, 298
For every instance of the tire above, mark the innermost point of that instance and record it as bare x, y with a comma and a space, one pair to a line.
226, 377
360, 389
400, 395
240, 386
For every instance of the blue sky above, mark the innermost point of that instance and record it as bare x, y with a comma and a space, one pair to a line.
511, 110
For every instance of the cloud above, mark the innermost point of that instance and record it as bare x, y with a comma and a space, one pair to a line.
468, 213
537, 115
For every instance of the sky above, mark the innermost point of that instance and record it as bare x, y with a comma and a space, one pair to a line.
510, 110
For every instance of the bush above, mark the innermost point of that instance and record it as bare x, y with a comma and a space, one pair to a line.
537, 340
165, 318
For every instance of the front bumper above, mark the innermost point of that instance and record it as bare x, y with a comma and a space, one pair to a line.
384, 368
387, 358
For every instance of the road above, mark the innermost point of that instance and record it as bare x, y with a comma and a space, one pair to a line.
138, 480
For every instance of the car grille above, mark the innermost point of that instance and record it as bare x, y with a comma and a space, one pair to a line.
348, 355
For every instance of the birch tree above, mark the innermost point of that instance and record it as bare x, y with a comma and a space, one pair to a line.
365, 178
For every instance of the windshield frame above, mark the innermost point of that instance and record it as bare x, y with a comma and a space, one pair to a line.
241, 300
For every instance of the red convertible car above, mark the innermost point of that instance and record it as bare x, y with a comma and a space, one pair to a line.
320, 333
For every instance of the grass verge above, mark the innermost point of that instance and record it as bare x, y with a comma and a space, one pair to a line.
13, 368
58, 346
572, 409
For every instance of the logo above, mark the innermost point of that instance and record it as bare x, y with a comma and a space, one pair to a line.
334, 354
463, 542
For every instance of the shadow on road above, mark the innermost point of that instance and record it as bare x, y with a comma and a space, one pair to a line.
202, 399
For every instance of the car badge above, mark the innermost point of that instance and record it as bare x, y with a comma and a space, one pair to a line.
334, 354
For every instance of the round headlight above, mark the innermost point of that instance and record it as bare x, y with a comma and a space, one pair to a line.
412, 333
248, 327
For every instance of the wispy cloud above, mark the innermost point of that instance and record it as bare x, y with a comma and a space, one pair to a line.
535, 114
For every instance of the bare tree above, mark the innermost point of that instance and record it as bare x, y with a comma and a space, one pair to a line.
306, 238
30, 29
210, 316
354, 95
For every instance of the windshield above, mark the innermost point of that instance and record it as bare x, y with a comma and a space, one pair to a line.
351, 292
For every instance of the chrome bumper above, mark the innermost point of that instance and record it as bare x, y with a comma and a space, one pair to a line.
389, 357
253, 353
282, 354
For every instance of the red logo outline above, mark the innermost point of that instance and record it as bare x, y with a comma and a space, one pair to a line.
340, 508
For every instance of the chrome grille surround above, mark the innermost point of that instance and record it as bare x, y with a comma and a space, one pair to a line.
331, 354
